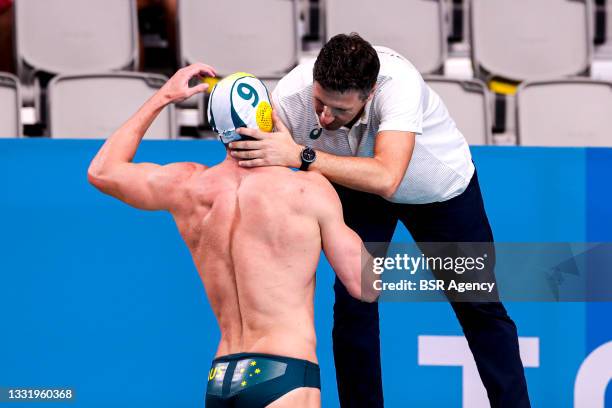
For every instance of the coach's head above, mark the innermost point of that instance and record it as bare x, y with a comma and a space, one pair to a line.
344, 80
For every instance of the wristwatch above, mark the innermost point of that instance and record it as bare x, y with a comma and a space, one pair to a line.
308, 156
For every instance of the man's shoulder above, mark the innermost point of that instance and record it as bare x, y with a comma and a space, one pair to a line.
306, 190
396, 67
174, 174
313, 177
191, 166
319, 187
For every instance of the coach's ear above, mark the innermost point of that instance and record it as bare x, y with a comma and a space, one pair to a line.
371, 94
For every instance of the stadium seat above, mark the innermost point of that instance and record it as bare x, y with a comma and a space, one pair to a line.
566, 112
468, 104
531, 40
259, 37
414, 28
72, 36
10, 106
93, 106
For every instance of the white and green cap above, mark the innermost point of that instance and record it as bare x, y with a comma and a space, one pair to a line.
239, 100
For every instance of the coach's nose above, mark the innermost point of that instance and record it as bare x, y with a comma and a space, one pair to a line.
326, 117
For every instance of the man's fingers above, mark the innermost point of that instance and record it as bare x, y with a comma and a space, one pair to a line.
199, 68
196, 70
238, 145
197, 89
247, 145
247, 154
246, 132
278, 123
254, 133
252, 163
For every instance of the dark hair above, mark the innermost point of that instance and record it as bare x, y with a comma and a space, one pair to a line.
346, 63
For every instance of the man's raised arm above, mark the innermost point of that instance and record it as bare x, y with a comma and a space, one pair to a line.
145, 185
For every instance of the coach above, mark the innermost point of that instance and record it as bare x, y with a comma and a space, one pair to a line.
364, 117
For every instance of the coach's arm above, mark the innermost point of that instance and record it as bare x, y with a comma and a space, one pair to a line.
381, 174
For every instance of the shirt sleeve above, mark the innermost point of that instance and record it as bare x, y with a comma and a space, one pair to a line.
401, 103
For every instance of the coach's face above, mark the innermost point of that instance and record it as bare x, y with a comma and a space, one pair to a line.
336, 109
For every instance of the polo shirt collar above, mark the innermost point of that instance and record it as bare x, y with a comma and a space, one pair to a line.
365, 116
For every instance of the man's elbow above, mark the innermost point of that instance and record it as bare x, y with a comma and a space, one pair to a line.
364, 294
369, 295
98, 178
355, 291
389, 186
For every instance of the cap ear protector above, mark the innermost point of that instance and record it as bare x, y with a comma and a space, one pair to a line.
239, 100
263, 115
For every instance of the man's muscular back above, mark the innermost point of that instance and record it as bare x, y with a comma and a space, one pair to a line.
255, 236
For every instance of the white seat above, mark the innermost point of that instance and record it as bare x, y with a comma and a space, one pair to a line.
93, 106
567, 112
10, 106
71, 36
468, 104
531, 40
259, 37
414, 28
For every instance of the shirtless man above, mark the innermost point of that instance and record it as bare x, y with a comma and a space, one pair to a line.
255, 236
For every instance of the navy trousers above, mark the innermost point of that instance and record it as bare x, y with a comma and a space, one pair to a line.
490, 332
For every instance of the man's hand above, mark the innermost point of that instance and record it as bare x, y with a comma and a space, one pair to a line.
177, 88
146, 185
270, 149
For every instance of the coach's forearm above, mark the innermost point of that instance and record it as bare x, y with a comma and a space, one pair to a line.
359, 173
121, 146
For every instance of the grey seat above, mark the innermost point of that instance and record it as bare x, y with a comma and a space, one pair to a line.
531, 40
414, 28
72, 36
270, 84
567, 112
259, 37
93, 106
468, 104
10, 106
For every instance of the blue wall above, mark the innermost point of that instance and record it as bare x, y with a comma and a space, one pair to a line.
104, 298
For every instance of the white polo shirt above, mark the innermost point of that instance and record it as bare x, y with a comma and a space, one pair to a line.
441, 164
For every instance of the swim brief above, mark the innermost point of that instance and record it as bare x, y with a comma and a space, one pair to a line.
255, 380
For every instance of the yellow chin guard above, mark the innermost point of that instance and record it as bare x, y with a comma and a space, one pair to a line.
264, 116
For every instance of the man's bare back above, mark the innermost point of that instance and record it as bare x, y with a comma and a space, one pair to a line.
255, 239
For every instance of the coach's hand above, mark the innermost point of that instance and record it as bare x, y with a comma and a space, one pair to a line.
177, 88
270, 149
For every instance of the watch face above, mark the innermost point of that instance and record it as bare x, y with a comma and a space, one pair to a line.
308, 155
